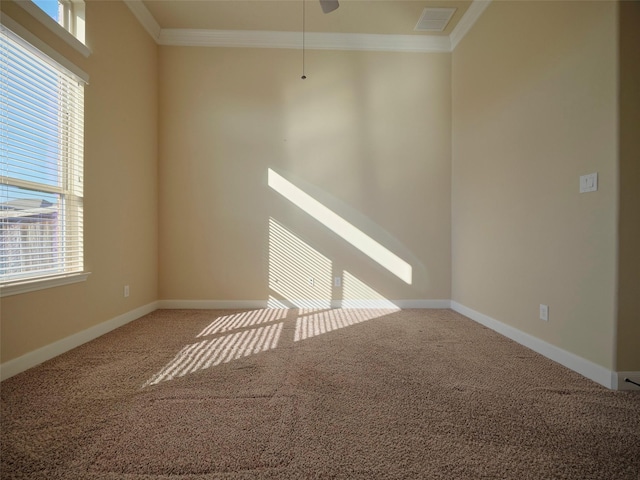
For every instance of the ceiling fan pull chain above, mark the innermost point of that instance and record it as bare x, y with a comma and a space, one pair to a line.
303, 34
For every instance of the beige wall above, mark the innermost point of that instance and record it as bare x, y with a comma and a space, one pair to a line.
535, 107
120, 185
366, 134
629, 214
369, 137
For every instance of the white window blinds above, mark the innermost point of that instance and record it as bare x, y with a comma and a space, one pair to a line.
41, 163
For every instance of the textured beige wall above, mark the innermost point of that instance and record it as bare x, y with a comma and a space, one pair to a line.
120, 185
367, 135
629, 214
535, 107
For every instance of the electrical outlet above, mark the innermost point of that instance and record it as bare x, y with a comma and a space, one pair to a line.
337, 281
544, 312
310, 281
126, 291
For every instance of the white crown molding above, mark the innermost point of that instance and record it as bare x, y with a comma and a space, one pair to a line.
378, 43
313, 40
467, 21
144, 17
228, 38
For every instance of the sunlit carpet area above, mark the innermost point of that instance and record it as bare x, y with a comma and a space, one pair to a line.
295, 394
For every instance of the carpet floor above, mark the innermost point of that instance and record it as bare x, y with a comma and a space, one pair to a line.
297, 394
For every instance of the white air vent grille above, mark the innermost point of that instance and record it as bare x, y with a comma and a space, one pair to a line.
434, 19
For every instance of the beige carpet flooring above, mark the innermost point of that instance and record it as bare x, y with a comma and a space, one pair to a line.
295, 394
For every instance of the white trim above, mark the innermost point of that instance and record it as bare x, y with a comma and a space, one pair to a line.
211, 304
467, 21
597, 373
308, 303
584, 367
12, 26
17, 288
313, 40
398, 304
618, 381
31, 359
428, 304
144, 17
37, 13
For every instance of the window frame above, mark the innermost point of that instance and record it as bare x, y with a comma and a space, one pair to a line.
72, 31
44, 281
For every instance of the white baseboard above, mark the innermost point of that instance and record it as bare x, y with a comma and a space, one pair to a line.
313, 303
590, 370
435, 304
618, 379
211, 304
31, 359
584, 367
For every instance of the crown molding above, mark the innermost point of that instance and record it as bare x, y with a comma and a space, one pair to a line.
144, 17
313, 40
467, 21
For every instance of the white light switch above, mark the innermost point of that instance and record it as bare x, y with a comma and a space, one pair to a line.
589, 183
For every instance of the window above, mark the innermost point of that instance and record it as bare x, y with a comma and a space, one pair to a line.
41, 164
68, 13
65, 18
53, 8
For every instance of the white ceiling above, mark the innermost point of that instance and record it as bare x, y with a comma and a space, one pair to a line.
383, 25
391, 17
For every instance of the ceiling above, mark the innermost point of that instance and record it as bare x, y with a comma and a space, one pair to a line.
389, 17
373, 25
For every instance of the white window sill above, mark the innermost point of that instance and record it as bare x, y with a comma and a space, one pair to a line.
16, 288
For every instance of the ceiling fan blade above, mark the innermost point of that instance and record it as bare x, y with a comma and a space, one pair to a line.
329, 5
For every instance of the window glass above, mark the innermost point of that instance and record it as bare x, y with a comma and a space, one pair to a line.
41, 162
50, 7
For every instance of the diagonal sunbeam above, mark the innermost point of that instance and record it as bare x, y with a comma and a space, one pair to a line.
334, 222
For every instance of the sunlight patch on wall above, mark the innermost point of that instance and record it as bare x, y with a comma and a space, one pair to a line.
209, 353
357, 294
341, 227
321, 322
242, 320
297, 272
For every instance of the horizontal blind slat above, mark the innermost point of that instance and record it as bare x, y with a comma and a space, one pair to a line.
42, 135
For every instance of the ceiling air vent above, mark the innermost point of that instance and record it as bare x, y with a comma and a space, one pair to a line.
434, 19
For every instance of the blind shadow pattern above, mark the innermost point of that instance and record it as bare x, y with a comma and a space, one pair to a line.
222, 349
325, 321
253, 332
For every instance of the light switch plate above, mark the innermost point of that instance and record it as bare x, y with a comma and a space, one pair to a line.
589, 183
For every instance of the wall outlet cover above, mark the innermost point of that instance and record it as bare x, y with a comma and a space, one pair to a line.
544, 312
